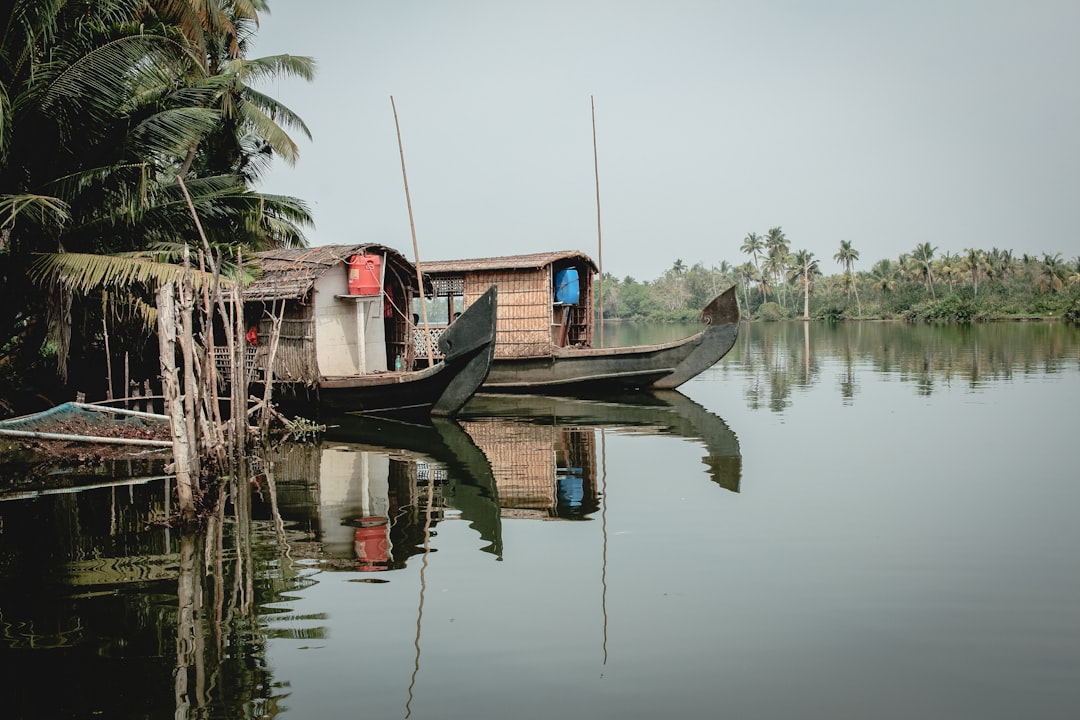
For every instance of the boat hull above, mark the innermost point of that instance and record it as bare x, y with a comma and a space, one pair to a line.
468, 347
662, 367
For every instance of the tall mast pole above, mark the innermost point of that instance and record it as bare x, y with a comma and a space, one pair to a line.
415, 246
599, 236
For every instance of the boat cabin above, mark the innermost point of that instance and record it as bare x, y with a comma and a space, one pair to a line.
545, 299
344, 308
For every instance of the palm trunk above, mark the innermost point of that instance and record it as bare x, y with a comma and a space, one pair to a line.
806, 298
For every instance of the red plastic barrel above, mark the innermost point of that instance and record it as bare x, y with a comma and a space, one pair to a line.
364, 274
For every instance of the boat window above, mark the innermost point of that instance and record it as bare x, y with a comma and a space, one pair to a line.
440, 309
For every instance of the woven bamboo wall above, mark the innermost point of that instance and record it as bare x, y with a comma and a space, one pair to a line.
295, 357
523, 327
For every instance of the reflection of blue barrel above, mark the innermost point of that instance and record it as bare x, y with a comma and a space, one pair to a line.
566, 286
571, 490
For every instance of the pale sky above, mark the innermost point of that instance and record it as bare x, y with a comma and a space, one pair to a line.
888, 124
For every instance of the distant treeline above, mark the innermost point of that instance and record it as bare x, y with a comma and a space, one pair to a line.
776, 283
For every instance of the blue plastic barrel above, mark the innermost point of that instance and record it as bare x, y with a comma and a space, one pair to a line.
566, 286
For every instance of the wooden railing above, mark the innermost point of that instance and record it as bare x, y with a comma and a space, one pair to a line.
421, 338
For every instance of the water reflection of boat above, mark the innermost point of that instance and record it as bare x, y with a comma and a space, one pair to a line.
543, 449
368, 484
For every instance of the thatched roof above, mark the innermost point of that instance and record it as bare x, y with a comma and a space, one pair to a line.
534, 261
290, 273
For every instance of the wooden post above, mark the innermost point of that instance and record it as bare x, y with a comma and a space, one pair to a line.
361, 332
240, 374
235, 342
271, 355
108, 356
210, 377
599, 237
187, 351
174, 407
412, 227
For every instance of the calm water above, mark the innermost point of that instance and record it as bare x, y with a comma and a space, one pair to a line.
868, 520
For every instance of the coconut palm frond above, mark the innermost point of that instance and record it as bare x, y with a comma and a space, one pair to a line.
47, 208
266, 127
5, 121
85, 272
271, 67
172, 133
224, 257
89, 80
130, 308
277, 110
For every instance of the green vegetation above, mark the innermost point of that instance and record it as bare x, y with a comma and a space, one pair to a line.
105, 105
777, 283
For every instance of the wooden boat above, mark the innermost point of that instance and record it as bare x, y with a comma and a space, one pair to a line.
545, 334
342, 328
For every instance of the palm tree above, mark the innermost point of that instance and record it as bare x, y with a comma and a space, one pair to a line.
949, 268
803, 267
883, 276
776, 244
752, 245
748, 274
1052, 274
998, 263
1074, 273
924, 253
102, 105
974, 261
847, 256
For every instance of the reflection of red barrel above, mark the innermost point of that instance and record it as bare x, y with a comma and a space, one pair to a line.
371, 542
364, 274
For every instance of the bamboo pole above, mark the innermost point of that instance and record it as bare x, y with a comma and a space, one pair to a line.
170, 385
233, 342
599, 237
93, 439
240, 374
271, 355
186, 338
108, 356
210, 379
416, 248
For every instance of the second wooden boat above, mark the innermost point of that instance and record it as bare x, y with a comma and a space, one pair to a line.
545, 334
